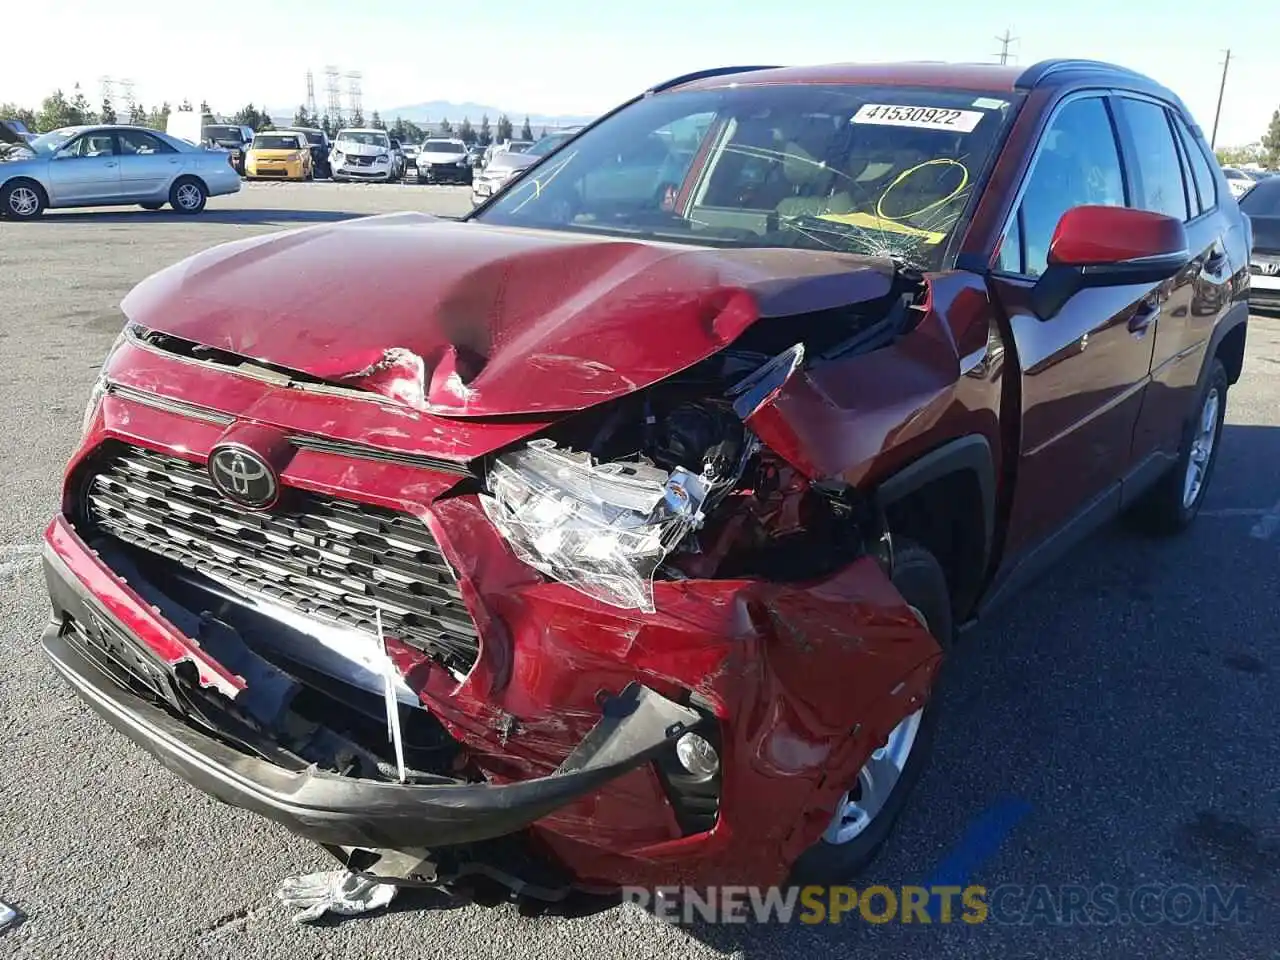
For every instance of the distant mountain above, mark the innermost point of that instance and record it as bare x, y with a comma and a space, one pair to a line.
434, 110
429, 115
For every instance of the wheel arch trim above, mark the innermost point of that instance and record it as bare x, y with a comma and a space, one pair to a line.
968, 454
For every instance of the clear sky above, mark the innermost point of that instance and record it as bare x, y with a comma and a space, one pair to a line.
577, 57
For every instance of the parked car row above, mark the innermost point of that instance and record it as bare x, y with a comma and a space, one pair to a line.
122, 164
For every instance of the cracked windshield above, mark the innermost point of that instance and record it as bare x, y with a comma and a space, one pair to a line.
881, 171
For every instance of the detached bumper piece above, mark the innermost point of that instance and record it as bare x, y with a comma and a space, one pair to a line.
207, 745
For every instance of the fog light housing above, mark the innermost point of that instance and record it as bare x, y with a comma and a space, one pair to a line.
697, 755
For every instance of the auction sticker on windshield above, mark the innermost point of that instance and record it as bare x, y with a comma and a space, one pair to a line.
927, 118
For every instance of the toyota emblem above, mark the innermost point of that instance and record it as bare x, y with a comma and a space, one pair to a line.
241, 475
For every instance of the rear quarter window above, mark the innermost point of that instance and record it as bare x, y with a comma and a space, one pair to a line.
1205, 182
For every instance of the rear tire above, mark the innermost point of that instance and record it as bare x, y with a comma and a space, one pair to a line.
1171, 505
188, 195
23, 200
922, 583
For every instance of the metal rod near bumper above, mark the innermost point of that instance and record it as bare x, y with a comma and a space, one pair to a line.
332, 809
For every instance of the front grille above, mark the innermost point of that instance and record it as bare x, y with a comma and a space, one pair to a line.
330, 559
359, 161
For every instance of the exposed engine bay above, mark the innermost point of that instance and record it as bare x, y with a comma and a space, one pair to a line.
670, 482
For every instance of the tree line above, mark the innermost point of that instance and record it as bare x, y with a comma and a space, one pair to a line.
406, 131
59, 110
1265, 153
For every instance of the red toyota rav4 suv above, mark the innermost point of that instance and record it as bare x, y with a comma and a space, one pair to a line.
614, 534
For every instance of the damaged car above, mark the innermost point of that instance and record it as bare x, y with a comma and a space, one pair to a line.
624, 544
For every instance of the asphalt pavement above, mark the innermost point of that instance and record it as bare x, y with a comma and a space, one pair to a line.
1113, 728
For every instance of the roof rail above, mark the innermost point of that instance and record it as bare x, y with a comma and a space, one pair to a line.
704, 75
1037, 72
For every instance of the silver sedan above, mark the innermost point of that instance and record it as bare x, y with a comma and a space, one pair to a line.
111, 165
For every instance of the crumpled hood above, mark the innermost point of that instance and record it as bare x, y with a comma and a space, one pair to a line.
467, 319
353, 149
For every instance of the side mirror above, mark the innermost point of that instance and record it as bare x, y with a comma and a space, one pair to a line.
1096, 246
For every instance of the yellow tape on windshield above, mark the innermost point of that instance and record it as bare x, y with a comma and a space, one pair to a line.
869, 221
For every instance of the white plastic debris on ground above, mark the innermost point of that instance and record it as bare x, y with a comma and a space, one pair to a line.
7, 916
333, 891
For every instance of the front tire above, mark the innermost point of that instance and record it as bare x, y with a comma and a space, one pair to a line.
23, 200
1171, 505
867, 813
188, 195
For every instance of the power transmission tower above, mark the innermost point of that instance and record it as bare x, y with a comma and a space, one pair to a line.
108, 91
1213, 139
311, 95
353, 93
1005, 39
334, 94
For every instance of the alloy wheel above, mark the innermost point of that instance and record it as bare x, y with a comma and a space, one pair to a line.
1202, 444
23, 201
859, 807
188, 196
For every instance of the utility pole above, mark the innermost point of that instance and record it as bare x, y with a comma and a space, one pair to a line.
311, 97
1005, 39
1213, 139
334, 98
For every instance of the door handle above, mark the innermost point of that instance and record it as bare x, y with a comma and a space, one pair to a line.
1143, 318
111, 164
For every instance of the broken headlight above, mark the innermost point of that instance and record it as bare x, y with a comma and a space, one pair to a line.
601, 528
100, 386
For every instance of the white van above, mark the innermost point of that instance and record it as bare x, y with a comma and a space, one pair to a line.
188, 125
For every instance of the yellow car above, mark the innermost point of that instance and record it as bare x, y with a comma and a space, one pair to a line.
279, 156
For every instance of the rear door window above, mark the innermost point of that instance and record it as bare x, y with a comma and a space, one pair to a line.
140, 143
1159, 169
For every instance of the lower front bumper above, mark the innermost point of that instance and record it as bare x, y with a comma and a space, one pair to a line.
361, 173
276, 173
336, 810
84, 644
444, 175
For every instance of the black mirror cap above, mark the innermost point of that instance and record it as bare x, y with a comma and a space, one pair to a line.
1060, 282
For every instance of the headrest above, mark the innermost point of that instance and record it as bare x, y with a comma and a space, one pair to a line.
800, 167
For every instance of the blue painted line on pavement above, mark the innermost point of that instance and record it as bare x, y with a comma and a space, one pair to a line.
979, 842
